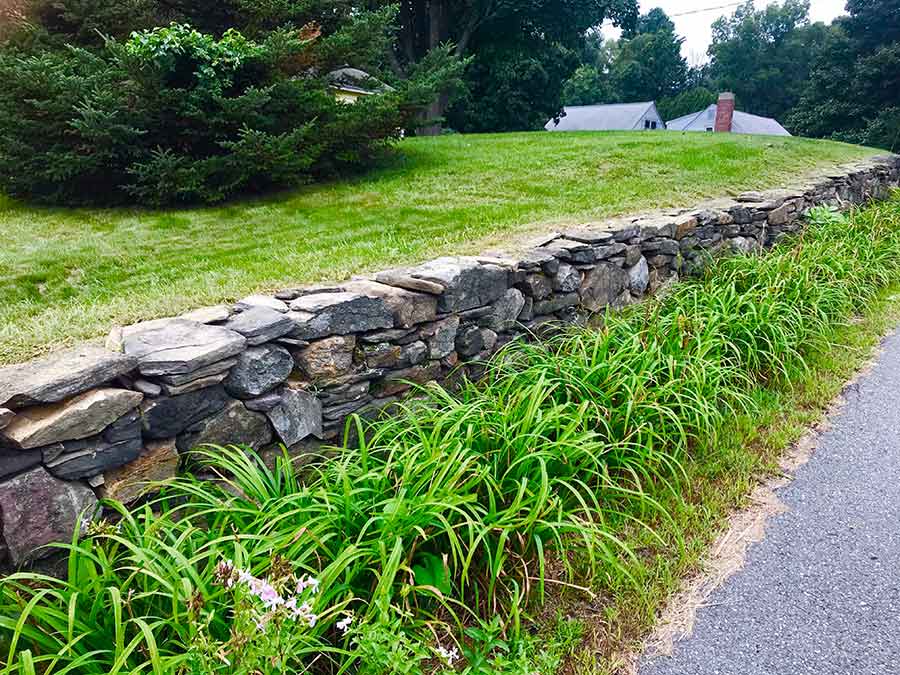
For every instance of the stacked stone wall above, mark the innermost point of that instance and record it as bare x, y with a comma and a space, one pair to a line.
289, 368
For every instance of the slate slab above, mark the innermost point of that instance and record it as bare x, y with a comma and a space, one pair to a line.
260, 324
259, 370
168, 416
297, 416
233, 425
324, 314
178, 346
61, 375
409, 307
467, 283
17, 461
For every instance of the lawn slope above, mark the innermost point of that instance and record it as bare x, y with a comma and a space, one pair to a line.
71, 274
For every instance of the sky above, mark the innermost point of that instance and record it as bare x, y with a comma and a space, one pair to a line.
695, 27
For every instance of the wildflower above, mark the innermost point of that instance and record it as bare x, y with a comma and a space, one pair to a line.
304, 613
226, 573
449, 655
344, 624
307, 581
269, 596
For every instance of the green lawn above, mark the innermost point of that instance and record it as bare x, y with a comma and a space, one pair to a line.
68, 274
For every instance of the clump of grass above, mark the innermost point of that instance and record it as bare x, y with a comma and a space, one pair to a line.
466, 504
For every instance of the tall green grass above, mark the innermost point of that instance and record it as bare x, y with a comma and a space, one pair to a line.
465, 505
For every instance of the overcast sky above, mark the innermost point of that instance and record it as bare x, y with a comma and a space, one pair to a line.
695, 27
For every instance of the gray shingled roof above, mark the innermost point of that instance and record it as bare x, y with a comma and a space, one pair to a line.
617, 116
742, 123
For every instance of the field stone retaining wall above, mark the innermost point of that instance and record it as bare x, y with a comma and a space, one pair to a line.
289, 368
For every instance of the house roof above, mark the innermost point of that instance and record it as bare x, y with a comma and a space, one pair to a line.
742, 123
355, 80
616, 116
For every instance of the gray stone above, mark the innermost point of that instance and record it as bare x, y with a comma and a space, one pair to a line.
505, 311
259, 370
556, 303
440, 336
397, 335
409, 307
340, 411
639, 277
214, 314
260, 324
232, 425
567, 279
263, 301
126, 427
193, 385
17, 461
168, 416
589, 236
147, 388
606, 252
76, 460
781, 215
632, 255
401, 279
323, 314
402, 380
601, 286
327, 358
539, 259
157, 462
538, 286
488, 340
661, 246
263, 403
79, 417
38, 509
297, 417
469, 341
61, 375
217, 368
574, 252
414, 353
6, 416
527, 313
177, 347
466, 283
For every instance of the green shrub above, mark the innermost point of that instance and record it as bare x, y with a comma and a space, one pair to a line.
441, 530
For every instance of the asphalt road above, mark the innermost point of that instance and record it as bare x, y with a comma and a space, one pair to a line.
821, 593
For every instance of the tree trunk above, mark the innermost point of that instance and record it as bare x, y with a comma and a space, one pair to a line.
437, 33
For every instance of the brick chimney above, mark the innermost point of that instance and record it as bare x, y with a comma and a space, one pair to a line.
724, 112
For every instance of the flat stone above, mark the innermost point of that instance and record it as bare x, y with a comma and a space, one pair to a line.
592, 237
632, 255
466, 283
327, 358
539, 258
259, 370
61, 375
408, 307
260, 324
575, 252
264, 301
639, 277
86, 458
402, 380
602, 285
440, 336
661, 247
781, 215
79, 417
505, 311
233, 425
400, 279
383, 355
17, 461
213, 314
193, 385
177, 347
324, 314
147, 388
38, 509
168, 416
6, 416
217, 368
263, 403
567, 279
489, 340
610, 251
556, 303
297, 417
157, 462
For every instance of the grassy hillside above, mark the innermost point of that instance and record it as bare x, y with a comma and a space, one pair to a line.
71, 274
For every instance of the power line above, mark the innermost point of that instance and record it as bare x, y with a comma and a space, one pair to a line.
707, 9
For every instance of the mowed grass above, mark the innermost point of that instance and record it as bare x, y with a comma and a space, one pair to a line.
70, 274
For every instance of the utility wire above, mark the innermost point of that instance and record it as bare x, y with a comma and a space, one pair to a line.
707, 9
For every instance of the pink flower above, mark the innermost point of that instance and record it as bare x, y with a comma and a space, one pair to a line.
344, 624
307, 581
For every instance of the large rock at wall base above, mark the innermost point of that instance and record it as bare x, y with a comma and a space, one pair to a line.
260, 324
639, 277
469, 341
38, 509
17, 461
259, 370
233, 425
409, 308
297, 417
79, 417
157, 462
177, 346
168, 416
537, 286
505, 311
440, 336
602, 285
467, 283
323, 314
61, 375
326, 358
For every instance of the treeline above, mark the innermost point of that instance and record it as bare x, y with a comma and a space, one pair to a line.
839, 81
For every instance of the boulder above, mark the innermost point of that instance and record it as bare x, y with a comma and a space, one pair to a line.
259, 370
260, 324
409, 307
38, 509
466, 283
323, 314
440, 336
176, 346
639, 277
602, 285
297, 417
79, 417
327, 358
233, 425
61, 375
168, 416
157, 462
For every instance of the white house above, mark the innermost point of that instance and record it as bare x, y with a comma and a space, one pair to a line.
612, 117
723, 118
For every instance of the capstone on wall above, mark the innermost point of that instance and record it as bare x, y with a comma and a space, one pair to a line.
288, 369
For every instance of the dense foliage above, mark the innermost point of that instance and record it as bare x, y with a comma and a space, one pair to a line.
429, 540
